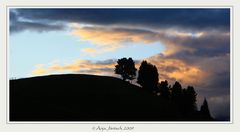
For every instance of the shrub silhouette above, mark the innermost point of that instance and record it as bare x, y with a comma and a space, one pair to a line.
164, 89
148, 76
126, 68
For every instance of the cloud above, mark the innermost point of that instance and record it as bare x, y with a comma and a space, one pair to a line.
111, 39
89, 50
18, 24
105, 67
154, 18
39, 70
34, 26
124, 25
210, 44
177, 70
178, 44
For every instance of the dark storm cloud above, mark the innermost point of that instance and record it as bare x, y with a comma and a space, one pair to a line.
18, 24
35, 26
210, 45
192, 19
218, 82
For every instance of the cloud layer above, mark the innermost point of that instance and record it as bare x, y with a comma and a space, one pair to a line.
154, 18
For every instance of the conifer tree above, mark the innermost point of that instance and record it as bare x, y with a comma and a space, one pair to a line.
204, 108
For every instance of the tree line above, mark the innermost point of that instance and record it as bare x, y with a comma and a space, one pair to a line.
148, 79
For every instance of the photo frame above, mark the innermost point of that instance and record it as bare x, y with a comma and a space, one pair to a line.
126, 126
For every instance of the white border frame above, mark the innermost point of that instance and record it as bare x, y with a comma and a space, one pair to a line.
123, 122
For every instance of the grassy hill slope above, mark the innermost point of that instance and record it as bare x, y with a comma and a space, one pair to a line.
85, 98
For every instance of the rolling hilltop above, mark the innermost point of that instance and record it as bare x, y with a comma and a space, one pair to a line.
88, 98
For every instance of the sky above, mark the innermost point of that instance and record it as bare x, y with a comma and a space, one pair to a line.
189, 45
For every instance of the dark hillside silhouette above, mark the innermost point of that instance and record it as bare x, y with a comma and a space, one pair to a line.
85, 98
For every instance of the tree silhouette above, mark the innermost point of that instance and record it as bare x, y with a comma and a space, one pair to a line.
148, 76
177, 92
126, 68
189, 100
183, 99
191, 96
204, 108
164, 89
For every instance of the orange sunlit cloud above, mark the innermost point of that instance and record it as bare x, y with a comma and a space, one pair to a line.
177, 70
77, 66
109, 38
106, 36
89, 50
39, 70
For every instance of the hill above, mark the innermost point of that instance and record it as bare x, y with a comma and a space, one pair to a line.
86, 98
